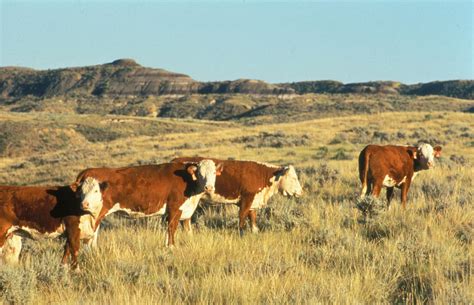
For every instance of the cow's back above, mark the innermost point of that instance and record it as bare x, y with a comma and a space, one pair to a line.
393, 160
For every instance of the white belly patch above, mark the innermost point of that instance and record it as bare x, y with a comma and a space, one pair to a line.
216, 198
134, 214
35, 234
390, 182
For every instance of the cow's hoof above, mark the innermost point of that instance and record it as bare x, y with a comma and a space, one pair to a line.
241, 232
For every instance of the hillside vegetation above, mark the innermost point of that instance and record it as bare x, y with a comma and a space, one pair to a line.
320, 248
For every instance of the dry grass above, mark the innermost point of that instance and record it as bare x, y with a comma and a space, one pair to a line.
316, 249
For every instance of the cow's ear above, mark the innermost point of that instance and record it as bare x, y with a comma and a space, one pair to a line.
74, 186
281, 172
103, 186
219, 169
437, 151
191, 169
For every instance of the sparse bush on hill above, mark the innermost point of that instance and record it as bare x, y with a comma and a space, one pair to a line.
341, 154
276, 140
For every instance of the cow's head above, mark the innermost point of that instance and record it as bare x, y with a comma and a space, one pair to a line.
90, 194
425, 155
205, 173
289, 185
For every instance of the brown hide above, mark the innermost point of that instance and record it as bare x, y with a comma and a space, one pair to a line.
398, 162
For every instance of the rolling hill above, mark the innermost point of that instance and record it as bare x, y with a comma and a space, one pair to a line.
125, 77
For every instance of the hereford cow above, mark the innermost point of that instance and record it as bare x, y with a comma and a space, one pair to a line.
393, 166
250, 185
153, 190
35, 212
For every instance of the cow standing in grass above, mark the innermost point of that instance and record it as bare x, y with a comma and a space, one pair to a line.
250, 185
37, 212
148, 190
393, 166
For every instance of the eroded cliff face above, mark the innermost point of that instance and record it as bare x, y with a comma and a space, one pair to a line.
126, 77
121, 77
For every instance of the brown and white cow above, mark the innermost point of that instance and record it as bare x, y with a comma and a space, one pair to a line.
393, 166
37, 212
250, 185
149, 190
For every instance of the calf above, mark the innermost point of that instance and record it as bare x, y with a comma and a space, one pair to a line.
153, 190
250, 185
35, 212
393, 166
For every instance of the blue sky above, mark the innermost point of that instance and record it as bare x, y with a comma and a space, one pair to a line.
351, 41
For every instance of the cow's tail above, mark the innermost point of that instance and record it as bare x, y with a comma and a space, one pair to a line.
364, 170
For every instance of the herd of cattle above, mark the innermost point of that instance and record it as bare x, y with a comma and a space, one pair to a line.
175, 189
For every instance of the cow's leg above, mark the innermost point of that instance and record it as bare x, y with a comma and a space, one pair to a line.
253, 220
245, 204
370, 184
187, 226
404, 196
173, 221
377, 188
73, 241
11, 250
389, 195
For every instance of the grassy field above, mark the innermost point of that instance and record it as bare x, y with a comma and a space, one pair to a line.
316, 249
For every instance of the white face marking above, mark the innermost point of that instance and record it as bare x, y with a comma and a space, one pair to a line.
91, 195
206, 174
425, 154
289, 183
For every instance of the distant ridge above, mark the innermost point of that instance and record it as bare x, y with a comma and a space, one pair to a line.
126, 77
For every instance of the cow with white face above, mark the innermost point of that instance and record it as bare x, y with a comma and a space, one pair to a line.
289, 184
90, 195
89, 192
148, 190
206, 174
426, 155
250, 185
393, 166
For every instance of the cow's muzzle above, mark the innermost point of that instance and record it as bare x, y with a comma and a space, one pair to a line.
209, 189
85, 205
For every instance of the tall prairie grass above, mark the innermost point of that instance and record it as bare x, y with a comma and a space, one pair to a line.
321, 248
